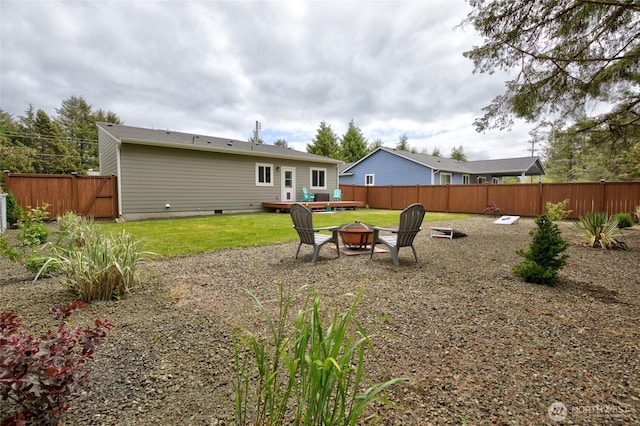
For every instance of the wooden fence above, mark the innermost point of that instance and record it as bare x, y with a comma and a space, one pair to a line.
90, 196
97, 196
512, 199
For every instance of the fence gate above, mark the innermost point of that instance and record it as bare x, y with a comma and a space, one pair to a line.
89, 196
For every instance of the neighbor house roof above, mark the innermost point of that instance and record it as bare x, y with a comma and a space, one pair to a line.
529, 165
170, 138
504, 167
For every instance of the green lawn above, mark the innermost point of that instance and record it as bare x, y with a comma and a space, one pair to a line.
177, 237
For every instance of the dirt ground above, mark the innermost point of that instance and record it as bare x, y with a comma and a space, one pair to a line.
479, 345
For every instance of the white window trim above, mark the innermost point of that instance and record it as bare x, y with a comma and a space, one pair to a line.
265, 165
495, 180
373, 179
323, 170
481, 179
446, 174
466, 179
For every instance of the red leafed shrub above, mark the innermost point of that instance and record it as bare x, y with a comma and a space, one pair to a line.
39, 375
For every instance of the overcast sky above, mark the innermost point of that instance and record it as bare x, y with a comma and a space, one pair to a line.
215, 67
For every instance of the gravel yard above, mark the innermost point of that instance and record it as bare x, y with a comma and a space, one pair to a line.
479, 345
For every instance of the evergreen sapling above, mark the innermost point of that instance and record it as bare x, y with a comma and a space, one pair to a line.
544, 258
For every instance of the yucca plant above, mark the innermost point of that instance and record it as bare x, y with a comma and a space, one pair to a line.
599, 230
98, 266
309, 372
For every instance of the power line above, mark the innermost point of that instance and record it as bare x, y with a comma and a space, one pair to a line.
41, 154
48, 137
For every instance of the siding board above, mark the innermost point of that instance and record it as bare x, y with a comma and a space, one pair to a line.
199, 181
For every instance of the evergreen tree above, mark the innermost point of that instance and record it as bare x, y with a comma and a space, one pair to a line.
325, 143
78, 124
26, 126
377, 143
544, 258
403, 144
56, 154
15, 156
101, 116
436, 152
281, 142
458, 154
580, 153
631, 167
353, 145
568, 54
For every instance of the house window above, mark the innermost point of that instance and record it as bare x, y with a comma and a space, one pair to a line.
369, 180
264, 173
445, 178
482, 179
319, 178
465, 179
495, 180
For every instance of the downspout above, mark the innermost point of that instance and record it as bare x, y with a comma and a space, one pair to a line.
119, 172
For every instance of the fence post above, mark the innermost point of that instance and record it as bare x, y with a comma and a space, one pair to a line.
3, 211
603, 197
7, 174
74, 192
540, 198
115, 201
448, 198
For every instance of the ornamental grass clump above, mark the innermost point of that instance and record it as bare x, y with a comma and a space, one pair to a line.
600, 230
309, 371
544, 259
98, 266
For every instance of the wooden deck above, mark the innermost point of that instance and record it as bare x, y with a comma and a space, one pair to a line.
317, 206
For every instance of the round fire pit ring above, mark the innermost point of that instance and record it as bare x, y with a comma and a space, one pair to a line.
356, 235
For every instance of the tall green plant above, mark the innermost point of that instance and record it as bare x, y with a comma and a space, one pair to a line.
33, 231
544, 258
14, 211
599, 230
98, 266
309, 372
31, 235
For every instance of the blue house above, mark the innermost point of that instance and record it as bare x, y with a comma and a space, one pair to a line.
388, 166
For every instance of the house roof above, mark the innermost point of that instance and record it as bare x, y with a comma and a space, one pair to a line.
169, 138
502, 167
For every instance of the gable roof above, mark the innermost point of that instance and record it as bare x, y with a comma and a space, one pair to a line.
529, 165
503, 167
169, 138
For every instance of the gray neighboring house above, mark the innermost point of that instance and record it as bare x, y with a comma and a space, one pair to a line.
388, 166
163, 173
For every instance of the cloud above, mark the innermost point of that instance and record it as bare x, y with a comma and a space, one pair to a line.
394, 67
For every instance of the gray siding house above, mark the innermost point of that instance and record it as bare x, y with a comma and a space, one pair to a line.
388, 166
164, 173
